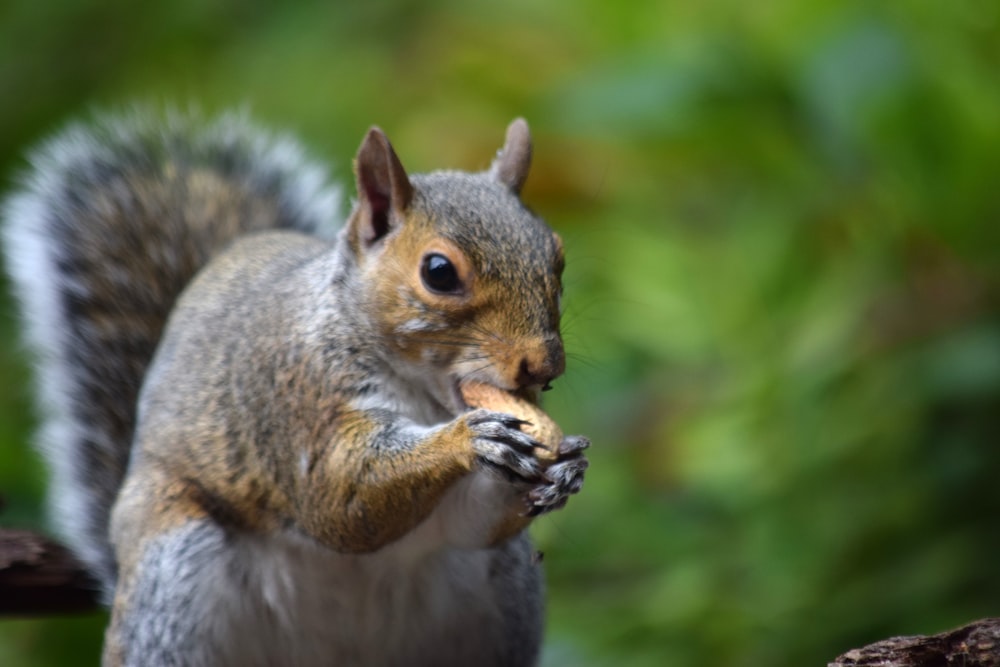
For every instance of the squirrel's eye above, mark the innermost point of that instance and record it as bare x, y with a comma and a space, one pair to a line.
439, 274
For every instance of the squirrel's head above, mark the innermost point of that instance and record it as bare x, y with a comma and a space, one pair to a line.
463, 281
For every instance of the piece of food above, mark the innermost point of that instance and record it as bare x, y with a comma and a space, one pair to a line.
539, 425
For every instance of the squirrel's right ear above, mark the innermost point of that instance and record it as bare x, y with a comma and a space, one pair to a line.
383, 187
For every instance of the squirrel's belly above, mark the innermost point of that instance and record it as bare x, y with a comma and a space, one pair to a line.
298, 603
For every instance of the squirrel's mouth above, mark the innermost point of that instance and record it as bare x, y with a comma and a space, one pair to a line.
455, 399
460, 405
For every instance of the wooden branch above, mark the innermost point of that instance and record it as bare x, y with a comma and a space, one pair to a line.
41, 577
974, 645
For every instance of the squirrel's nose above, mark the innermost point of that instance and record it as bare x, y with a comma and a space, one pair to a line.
544, 363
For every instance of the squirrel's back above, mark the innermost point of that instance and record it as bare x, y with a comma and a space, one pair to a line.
112, 221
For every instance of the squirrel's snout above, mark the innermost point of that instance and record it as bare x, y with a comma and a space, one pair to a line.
543, 363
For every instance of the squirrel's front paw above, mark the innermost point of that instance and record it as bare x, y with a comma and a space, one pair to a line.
498, 440
560, 479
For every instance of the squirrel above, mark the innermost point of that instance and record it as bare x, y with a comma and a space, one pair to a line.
254, 421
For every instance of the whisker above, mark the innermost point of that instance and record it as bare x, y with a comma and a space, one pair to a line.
449, 343
476, 370
486, 332
584, 360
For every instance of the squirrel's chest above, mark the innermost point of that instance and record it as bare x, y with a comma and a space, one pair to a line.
408, 397
299, 604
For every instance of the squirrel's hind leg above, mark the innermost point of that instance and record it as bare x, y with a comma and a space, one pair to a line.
166, 603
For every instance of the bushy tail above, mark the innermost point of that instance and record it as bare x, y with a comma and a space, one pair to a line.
110, 225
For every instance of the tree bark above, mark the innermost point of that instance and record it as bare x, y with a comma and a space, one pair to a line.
974, 645
41, 577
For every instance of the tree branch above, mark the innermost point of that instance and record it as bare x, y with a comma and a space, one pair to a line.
974, 645
41, 577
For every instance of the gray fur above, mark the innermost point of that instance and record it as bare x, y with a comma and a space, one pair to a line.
237, 601
66, 253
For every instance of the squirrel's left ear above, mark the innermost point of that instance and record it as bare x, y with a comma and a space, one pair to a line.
512, 162
383, 187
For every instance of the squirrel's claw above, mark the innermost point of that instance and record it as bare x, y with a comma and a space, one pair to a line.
562, 479
498, 440
573, 444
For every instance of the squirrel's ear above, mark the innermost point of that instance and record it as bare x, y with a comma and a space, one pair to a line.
512, 162
383, 186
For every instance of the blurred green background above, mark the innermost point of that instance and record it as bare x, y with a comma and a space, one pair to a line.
783, 302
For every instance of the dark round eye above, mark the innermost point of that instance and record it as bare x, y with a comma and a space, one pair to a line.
439, 274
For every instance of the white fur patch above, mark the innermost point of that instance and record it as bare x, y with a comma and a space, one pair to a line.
284, 600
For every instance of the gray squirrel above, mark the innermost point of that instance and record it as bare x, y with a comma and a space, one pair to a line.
255, 424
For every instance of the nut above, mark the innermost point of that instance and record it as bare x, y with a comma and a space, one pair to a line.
538, 424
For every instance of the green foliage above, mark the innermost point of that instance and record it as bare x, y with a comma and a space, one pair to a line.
784, 261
